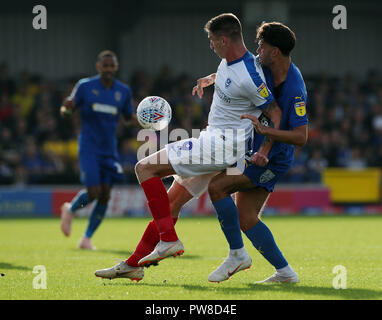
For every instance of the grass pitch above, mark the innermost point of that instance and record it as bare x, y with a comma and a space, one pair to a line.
312, 245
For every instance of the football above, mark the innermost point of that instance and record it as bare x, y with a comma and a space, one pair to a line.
154, 113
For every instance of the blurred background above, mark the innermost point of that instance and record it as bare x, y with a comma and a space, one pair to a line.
162, 50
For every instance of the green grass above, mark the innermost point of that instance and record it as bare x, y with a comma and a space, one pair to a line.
312, 245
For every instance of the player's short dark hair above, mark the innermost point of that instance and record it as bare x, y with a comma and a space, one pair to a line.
225, 24
106, 53
277, 35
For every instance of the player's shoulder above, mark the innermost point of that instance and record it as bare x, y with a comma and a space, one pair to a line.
253, 69
87, 81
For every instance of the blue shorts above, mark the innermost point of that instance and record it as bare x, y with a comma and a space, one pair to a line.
99, 169
265, 177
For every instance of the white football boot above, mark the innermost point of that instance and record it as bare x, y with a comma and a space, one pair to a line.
121, 270
230, 266
66, 219
162, 250
279, 277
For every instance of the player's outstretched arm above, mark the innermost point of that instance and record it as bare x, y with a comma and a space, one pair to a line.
202, 83
298, 136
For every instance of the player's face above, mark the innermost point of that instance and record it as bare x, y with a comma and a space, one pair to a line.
265, 52
107, 67
217, 44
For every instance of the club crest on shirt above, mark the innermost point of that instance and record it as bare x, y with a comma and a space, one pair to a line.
118, 96
300, 108
262, 89
268, 175
257, 60
227, 82
95, 92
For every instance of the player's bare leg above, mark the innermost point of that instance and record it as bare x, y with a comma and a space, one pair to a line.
250, 205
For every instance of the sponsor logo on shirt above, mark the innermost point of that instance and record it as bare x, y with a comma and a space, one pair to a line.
263, 90
104, 108
221, 94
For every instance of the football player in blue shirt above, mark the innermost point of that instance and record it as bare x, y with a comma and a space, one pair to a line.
254, 186
100, 100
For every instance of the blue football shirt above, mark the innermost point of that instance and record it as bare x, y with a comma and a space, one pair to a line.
292, 101
100, 109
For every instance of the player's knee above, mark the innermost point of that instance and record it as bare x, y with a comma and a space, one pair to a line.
104, 198
247, 222
93, 194
138, 168
141, 167
215, 191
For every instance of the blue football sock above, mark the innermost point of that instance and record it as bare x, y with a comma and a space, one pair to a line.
79, 201
95, 219
229, 222
262, 239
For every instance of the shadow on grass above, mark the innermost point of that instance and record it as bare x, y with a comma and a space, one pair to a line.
9, 266
189, 257
298, 289
349, 293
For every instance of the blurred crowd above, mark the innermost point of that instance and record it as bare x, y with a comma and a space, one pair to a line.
37, 146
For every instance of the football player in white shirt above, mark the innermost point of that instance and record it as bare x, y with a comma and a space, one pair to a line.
240, 89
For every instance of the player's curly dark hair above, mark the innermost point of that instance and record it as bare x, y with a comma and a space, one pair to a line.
277, 35
225, 24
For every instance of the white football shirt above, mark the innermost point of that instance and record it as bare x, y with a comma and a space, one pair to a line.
240, 88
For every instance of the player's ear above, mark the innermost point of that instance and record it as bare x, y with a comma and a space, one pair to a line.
275, 51
98, 66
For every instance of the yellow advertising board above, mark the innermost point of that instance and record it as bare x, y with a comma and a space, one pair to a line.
354, 186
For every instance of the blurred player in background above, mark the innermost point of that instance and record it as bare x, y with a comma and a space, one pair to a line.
239, 88
100, 100
284, 79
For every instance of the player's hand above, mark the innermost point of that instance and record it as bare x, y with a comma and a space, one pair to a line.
259, 159
202, 83
65, 112
255, 122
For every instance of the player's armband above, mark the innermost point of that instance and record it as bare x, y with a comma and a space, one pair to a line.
265, 121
